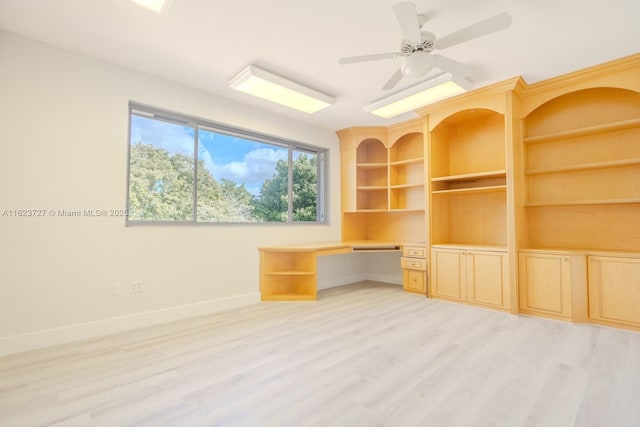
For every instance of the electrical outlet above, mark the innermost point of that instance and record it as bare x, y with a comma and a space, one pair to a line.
136, 287
116, 288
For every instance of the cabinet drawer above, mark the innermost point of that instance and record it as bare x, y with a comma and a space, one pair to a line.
413, 263
414, 252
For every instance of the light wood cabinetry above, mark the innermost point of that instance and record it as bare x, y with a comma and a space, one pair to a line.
514, 187
470, 197
581, 169
383, 183
614, 290
288, 274
478, 276
414, 269
468, 179
553, 284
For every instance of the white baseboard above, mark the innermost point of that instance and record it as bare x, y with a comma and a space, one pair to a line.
340, 281
50, 337
386, 278
345, 280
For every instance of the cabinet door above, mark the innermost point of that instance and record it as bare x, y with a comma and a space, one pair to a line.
448, 274
544, 282
614, 290
487, 278
414, 281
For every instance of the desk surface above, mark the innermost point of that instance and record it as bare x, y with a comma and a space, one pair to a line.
343, 247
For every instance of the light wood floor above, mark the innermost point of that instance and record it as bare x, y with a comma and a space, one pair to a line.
365, 354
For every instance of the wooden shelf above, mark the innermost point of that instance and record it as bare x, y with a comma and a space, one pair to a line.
290, 273
401, 186
473, 190
408, 210
583, 202
590, 130
471, 176
371, 210
585, 166
371, 165
372, 188
289, 297
406, 162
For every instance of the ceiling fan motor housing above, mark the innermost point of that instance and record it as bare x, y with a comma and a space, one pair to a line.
417, 61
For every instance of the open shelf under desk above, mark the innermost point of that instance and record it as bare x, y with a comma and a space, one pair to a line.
290, 273
289, 297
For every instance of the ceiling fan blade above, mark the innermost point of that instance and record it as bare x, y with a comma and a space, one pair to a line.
394, 80
407, 17
365, 58
450, 66
479, 29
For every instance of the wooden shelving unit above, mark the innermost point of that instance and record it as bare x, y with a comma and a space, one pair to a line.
386, 200
288, 275
582, 173
468, 179
468, 185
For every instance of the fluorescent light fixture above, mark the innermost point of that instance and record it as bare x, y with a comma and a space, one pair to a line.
266, 85
430, 91
158, 6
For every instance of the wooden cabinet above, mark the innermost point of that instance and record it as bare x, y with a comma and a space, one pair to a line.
383, 183
372, 189
614, 290
472, 248
406, 174
288, 274
582, 169
477, 276
553, 284
468, 179
414, 269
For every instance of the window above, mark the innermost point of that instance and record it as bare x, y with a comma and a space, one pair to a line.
185, 170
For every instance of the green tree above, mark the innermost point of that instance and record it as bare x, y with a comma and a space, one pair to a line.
305, 188
160, 184
161, 189
271, 204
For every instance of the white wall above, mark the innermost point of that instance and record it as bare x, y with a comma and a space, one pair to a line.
63, 136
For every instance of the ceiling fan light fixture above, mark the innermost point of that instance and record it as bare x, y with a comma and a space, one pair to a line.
271, 87
436, 89
418, 64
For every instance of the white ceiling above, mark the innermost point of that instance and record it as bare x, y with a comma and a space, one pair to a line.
204, 43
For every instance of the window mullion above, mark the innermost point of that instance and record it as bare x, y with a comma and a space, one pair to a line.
195, 173
290, 186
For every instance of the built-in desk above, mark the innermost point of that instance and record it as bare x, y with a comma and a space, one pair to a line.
289, 273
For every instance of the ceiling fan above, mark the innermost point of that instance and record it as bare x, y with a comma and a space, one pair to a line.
417, 45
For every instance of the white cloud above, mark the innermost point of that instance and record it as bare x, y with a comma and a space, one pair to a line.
256, 166
171, 137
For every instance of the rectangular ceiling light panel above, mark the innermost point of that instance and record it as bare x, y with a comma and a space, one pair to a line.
266, 85
158, 6
425, 93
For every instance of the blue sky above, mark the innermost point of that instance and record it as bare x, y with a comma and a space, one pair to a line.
229, 157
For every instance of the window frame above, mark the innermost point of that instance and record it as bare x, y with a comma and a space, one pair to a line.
198, 124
